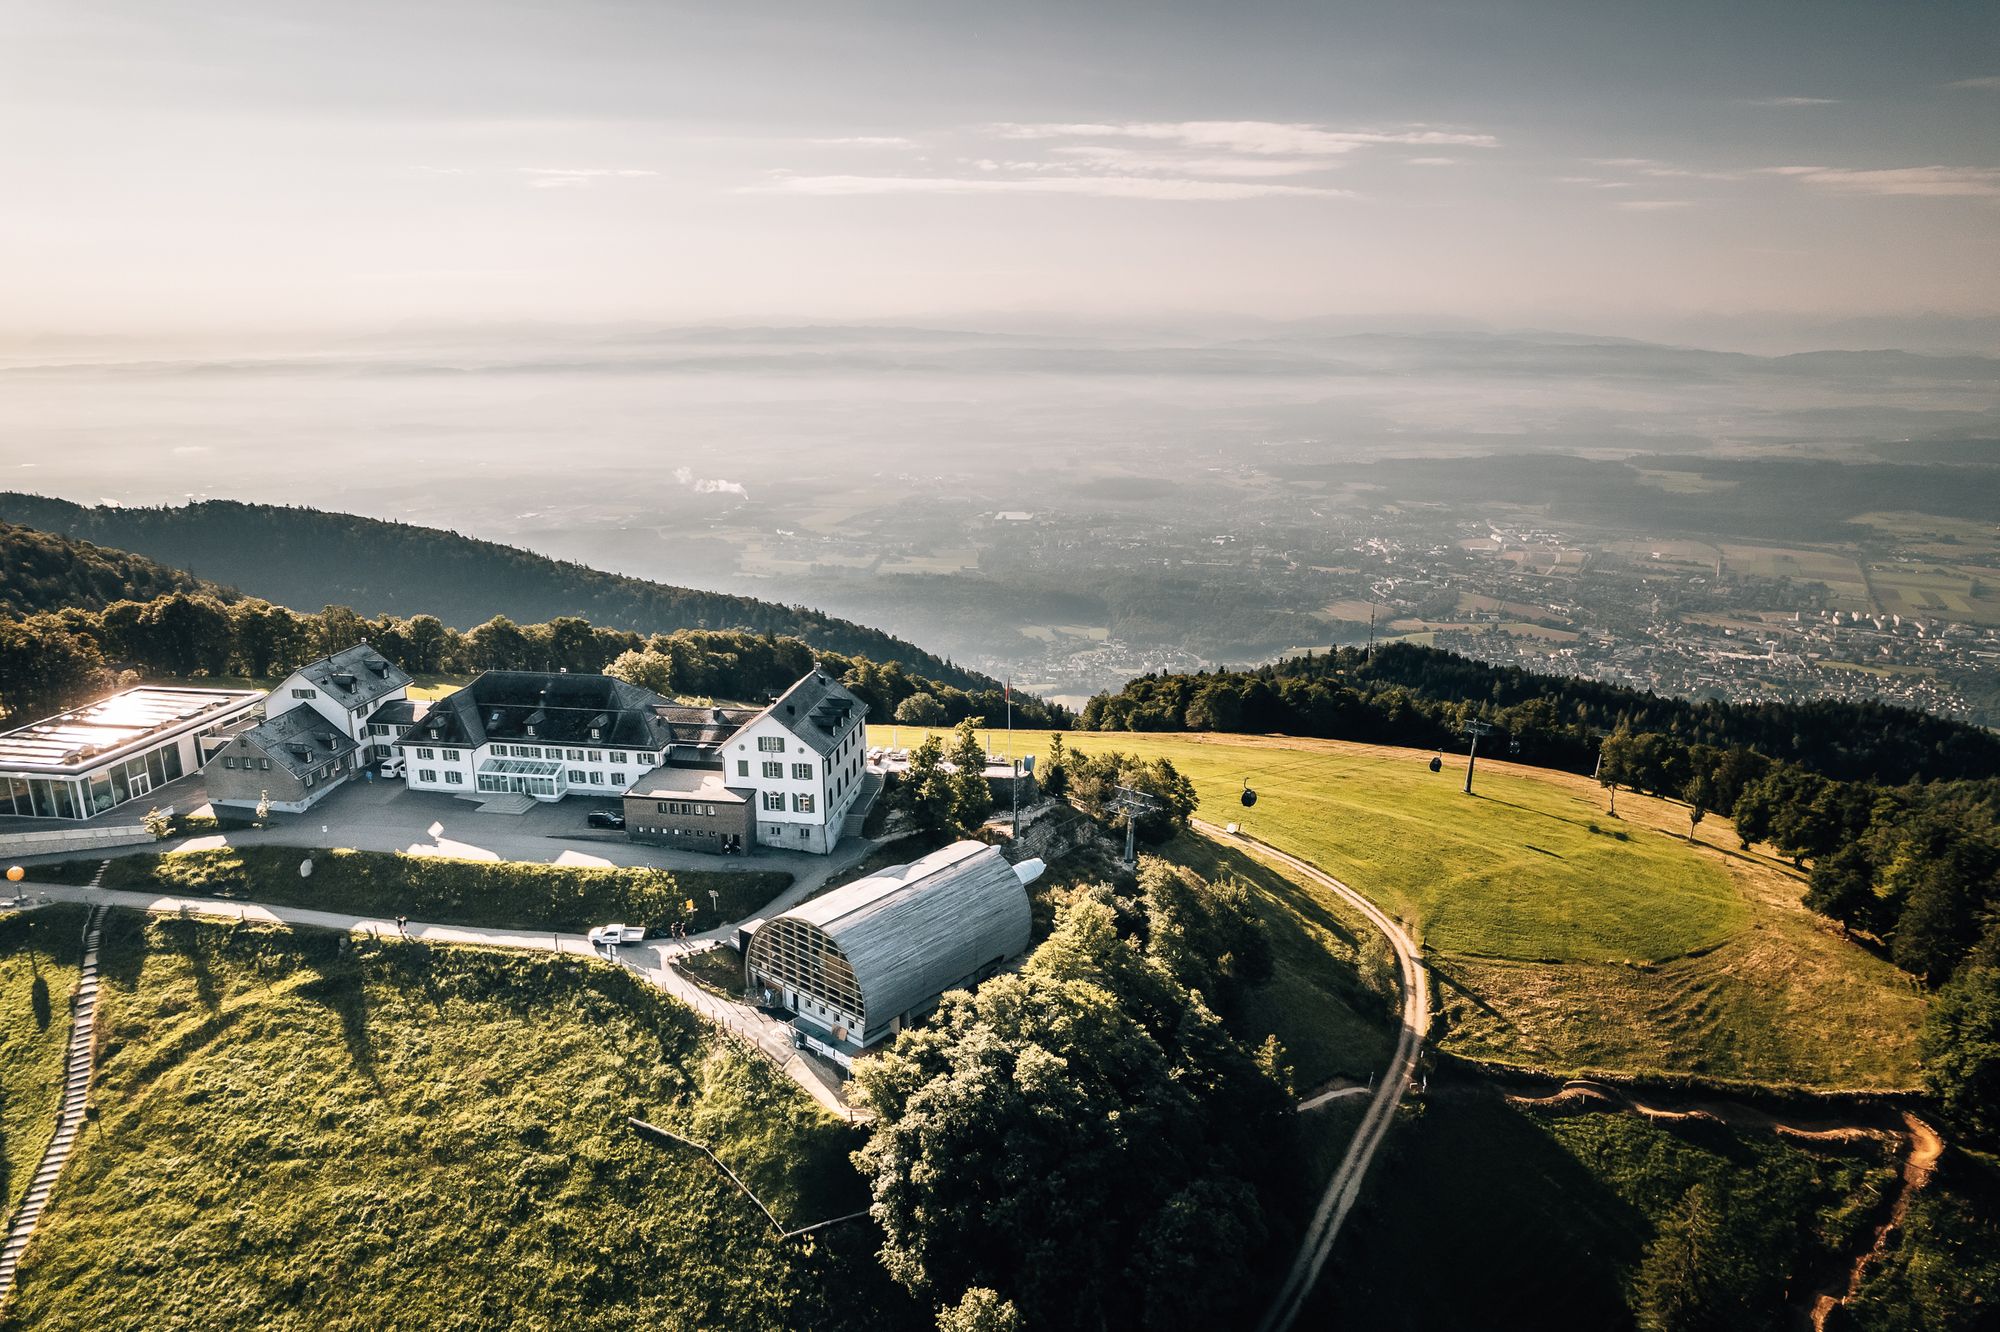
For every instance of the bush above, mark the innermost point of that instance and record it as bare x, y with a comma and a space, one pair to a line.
499, 894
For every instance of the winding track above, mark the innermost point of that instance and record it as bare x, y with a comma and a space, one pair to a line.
1334, 1205
1345, 1186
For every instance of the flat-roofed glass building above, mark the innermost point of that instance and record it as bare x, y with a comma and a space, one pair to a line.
84, 762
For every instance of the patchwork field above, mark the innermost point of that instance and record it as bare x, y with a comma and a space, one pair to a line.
1842, 576
39, 954
1561, 937
300, 1132
1935, 591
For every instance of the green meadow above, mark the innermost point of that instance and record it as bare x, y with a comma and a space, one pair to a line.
300, 1130
1559, 936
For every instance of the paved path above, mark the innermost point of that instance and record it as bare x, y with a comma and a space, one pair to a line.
1345, 1186
387, 816
648, 960
69, 1112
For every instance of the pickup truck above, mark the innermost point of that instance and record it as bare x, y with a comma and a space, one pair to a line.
610, 936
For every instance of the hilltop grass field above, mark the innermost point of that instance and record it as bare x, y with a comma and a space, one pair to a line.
1559, 937
40, 952
300, 1130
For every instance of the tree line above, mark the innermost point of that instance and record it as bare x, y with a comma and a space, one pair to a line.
301, 556
1895, 814
1401, 693
52, 660
42, 571
1084, 1145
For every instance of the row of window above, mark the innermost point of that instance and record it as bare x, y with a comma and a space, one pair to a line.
248, 763
451, 778
686, 807
574, 755
802, 803
578, 777
431, 755
322, 773
684, 832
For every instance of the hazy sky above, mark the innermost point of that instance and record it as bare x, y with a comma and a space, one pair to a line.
362, 164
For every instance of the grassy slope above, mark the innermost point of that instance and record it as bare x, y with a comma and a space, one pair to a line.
39, 954
1561, 947
1486, 1215
298, 1133
1330, 1025
498, 894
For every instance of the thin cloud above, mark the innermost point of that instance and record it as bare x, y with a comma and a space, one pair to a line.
1276, 138
1985, 83
1651, 205
1922, 181
1171, 189
1119, 160
1433, 161
1791, 101
1648, 166
576, 178
869, 141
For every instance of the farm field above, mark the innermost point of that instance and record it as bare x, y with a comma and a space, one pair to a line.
40, 951
1936, 591
1842, 576
303, 1132
1560, 937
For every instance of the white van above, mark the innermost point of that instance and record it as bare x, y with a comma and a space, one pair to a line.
393, 767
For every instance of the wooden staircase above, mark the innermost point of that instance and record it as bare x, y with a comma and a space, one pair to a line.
69, 1115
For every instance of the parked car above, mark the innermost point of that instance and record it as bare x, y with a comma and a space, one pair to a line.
392, 767
606, 818
610, 936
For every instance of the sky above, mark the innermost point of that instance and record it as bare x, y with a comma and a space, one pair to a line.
366, 166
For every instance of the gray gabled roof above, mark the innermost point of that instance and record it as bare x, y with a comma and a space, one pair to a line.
910, 931
818, 709
356, 676
299, 741
561, 709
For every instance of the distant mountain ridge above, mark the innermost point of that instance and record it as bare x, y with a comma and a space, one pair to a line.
305, 558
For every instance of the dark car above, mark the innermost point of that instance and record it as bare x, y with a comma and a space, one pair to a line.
606, 818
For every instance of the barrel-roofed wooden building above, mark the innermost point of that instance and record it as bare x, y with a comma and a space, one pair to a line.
856, 965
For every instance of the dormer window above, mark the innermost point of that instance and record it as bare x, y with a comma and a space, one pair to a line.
596, 733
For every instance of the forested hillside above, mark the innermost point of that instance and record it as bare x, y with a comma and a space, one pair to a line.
41, 571
56, 659
308, 558
1404, 694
